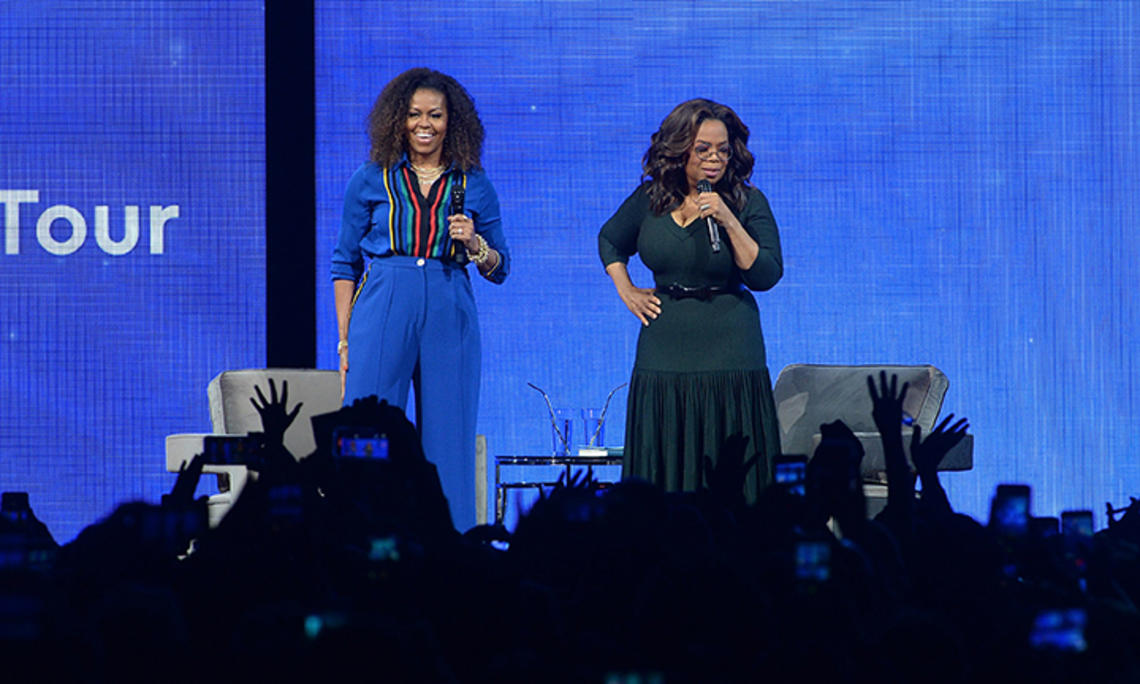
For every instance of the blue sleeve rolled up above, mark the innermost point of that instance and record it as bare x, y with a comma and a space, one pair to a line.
483, 205
364, 193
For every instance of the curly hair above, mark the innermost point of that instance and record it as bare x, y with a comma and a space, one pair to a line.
387, 122
669, 148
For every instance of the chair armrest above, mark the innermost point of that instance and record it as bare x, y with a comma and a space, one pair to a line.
874, 466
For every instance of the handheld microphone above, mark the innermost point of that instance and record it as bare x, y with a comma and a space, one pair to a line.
714, 229
458, 251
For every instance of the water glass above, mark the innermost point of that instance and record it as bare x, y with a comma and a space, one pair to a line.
560, 431
594, 434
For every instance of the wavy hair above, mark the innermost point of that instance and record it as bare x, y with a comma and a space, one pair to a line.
387, 122
669, 149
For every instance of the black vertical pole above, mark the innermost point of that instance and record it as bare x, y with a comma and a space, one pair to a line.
290, 184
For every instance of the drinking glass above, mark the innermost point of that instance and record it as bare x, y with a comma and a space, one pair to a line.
594, 434
560, 431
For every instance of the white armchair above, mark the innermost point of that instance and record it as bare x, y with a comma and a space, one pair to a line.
808, 395
231, 413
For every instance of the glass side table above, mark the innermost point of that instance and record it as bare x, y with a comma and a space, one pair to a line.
567, 463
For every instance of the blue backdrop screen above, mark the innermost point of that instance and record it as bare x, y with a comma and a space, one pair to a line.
955, 182
132, 267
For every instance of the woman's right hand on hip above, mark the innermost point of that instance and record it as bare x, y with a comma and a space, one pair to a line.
642, 301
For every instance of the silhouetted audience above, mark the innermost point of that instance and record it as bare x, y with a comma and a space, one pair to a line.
344, 566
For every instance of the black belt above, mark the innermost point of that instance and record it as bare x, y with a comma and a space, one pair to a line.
678, 291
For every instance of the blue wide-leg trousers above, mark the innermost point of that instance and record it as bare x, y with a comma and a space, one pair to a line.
415, 320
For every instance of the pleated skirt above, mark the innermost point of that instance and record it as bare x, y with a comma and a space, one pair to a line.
678, 426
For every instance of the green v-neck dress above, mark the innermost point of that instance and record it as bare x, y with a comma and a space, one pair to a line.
701, 374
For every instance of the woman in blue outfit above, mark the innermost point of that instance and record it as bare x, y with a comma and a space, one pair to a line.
701, 375
414, 216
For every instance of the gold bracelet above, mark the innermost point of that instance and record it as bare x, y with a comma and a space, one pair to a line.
479, 258
341, 346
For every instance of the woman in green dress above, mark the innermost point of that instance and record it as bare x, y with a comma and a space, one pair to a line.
701, 375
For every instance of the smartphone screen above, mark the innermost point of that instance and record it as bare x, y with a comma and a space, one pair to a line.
365, 443
1077, 537
285, 502
233, 449
14, 501
385, 549
789, 471
813, 560
1009, 511
1077, 524
15, 506
1059, 630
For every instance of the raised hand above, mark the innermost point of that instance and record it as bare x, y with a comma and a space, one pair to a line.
833, 480
928, 453
886, 403
275, 420
182, 494
725, 480
583, 480
887, 411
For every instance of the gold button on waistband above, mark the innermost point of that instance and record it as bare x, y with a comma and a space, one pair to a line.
420, 262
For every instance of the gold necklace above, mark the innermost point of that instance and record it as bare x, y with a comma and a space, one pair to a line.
428, 176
